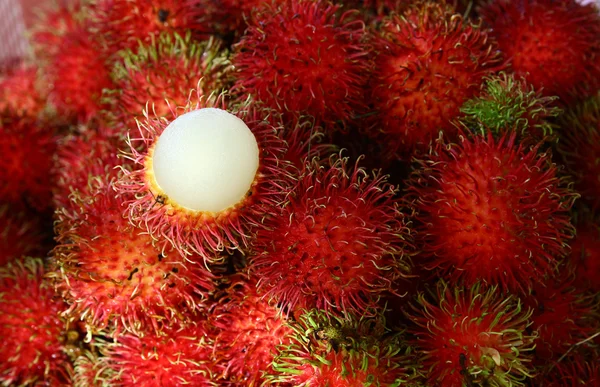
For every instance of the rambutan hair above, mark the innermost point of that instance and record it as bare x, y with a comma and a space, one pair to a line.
554, 45
22, 94
490, 210
338, 243
112, 274
202, 232
31, 328
302, 58
429, 62
472, 335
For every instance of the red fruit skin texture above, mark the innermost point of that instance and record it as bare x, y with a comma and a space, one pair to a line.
112, 274
248, 330
577, 370
585, 255
429, 62
554, 45
490, 210
176, 356
21, 95
338, 243
471, 334
31, 350
25, 167
300, 57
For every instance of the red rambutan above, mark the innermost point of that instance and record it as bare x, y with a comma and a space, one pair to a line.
585, 255
300, 57
175, 356
112, 275
89, 371
554, 45
490, 210
21, 94
229, 17
248, 330
207, 207
471, 336
429, 62
338, 243
31, 329
574, 371
348, 351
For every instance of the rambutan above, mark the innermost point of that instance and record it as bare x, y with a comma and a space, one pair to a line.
338, 243
206, 179
162, 73
490, 210
22, 233
429, 62
554, 45
89, 371
79, 73
471, 336
579, 147
21, 94
585, 255
574, 371
348, 351
301, 58
32, 332
507, 104
123, 24
248, 329
175, 356
25, 168
112, 274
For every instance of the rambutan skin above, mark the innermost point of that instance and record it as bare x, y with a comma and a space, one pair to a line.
428, 62
299, 57
584, 256
22, 94
205, 233
471, 336
338, 242
490, 210
31, 329
112, 274
554, 45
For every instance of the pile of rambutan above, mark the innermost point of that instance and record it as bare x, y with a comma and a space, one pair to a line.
298, 193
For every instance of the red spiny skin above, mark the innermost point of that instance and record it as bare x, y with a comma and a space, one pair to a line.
429, 62
25, 167
112, 275
562, 315
490, 210
80, 157
579, 146
469, 335
585, 255
338, 243
89, 372
21, 95
22, 233
299, 58
248, 330
197, 232
78, 74
161, 73
554, 45
30, 327
176, 356
124, 23
577, 370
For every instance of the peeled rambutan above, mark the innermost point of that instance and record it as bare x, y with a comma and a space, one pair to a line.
247, 331
326, 350
22, 233
507, 104
177, 355
301, 58
579, 146
554, 45
123, 24
338, 243
489, 209
429, 61
25, 167
21, 94
471, 336
31, 329
112, 274
78, 74
162, 73
207, 178
584, 256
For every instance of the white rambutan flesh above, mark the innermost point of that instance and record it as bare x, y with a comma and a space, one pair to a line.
206, 160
